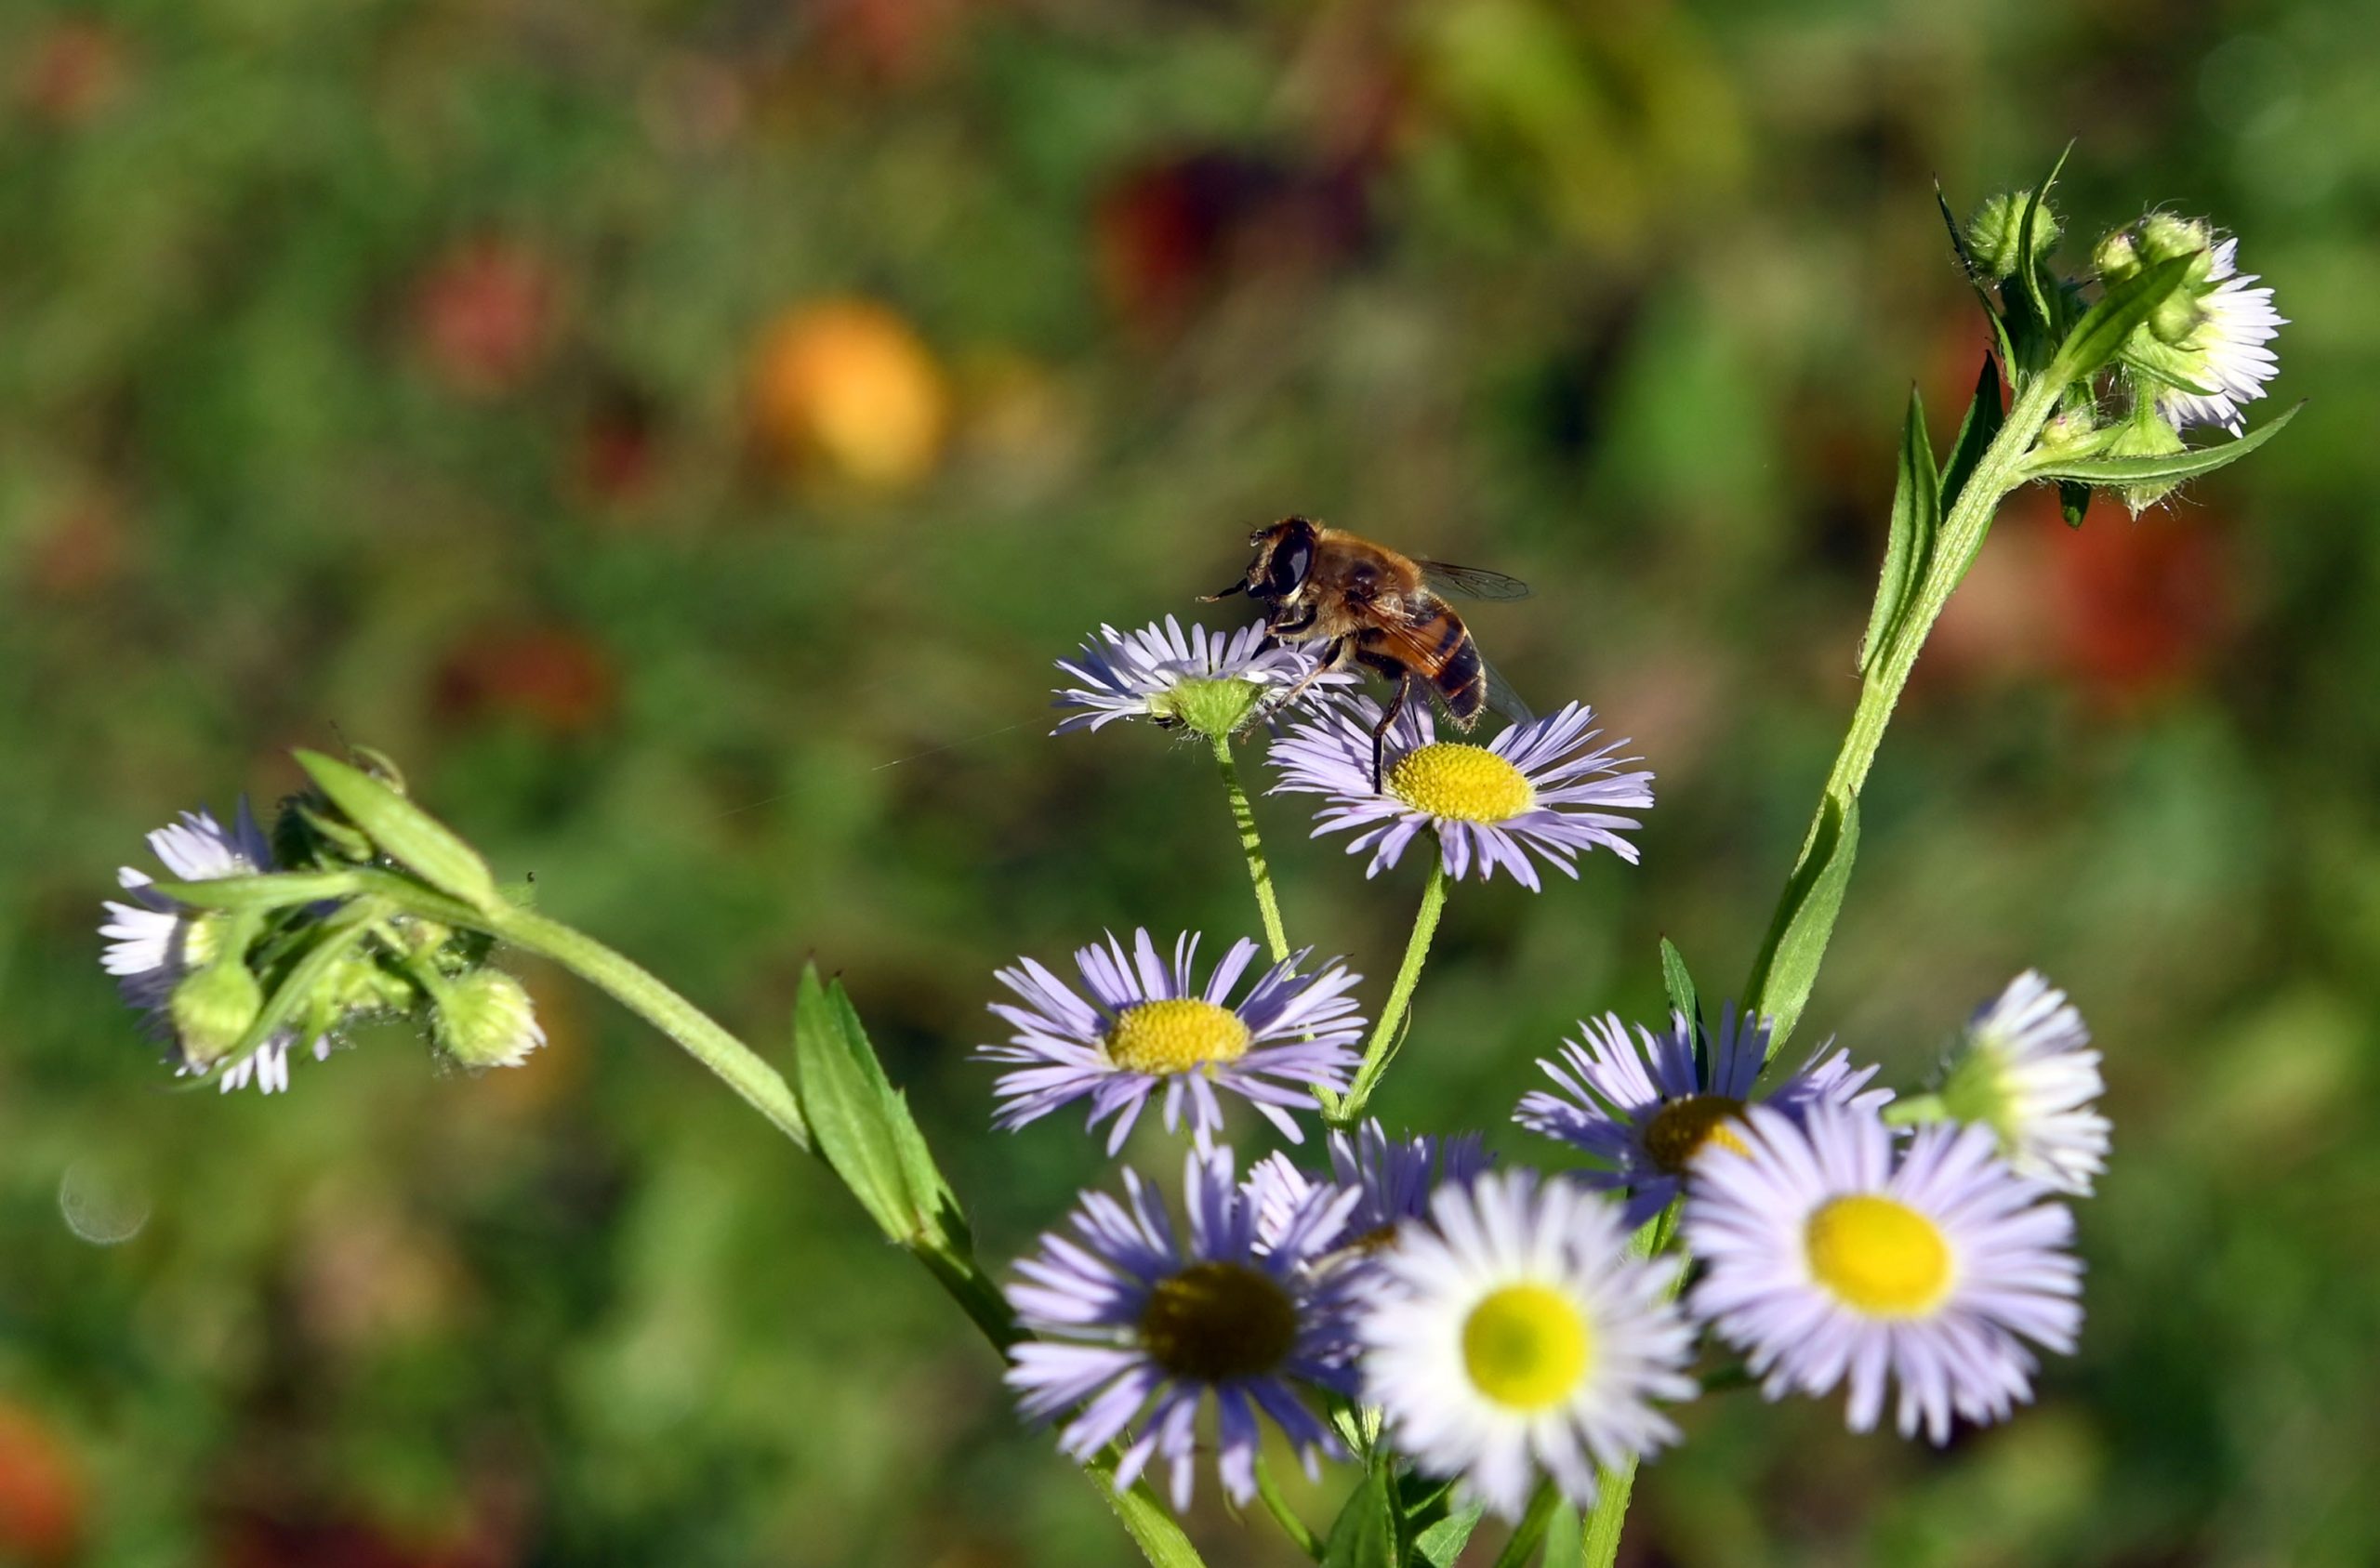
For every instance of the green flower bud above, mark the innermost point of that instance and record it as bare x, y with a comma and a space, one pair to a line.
2145, 433
1975, 1090
485, 1019
2164, 237
1214, 709
212, 1009
2069, 431
2177, 317
1992, 232
2116, 257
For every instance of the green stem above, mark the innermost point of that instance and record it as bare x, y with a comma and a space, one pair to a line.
634, 987
1532, 1529
1279, 1506
1346, 1113
1999, 470
1599, 1542
1251, 845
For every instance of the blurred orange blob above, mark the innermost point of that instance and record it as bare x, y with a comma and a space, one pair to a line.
485, 315
82, 548
41, 1495
557, 679
846, 389
73, 72
2141, 605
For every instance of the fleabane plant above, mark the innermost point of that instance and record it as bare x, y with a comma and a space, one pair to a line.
1467, 1338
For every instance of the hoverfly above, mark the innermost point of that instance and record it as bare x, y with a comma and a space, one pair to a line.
1368, 604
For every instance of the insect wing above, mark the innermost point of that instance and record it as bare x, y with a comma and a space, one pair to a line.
1503, 698
1471, 581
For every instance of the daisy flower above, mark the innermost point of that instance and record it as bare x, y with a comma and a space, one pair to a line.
154, 944
1643, 1108
1539, 787
1828, 1259
1140, 1329
2024, 1069
1147, 1026
1513, 1335
2228, 351
1158, 672
1392, 1179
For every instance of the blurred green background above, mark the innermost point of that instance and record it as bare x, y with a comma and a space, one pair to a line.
683, 432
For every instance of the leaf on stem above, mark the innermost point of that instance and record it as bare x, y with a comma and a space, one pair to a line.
1908, 546
1363, 1535
1789, 955
274, 890
1442, 1543
2097, 337
2169, 468
2028, 263
1977, 430
1686, 1004
862, 1124
404, 832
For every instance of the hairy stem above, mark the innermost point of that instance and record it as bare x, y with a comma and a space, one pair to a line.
1251, 845
1346, 1113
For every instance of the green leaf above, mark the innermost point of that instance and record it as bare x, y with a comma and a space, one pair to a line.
1789, 955
1909, 544
1442, 1543
2073, 500
2097, 337
1363, 1535
1685, 1003
862, 1124
404, 832
1145, 1519
276, 889
2027, 264
1976, 431
1565, 1531
2171, 468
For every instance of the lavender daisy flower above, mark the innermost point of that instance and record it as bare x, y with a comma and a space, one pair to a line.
1511, 1333
2024, 1069
1139, 1329
1211, 680
1148, 1027
155, 944
1827, 1260
1537, 787
1392, 1179
1645, 1110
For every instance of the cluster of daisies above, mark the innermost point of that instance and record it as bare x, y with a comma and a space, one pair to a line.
1487, 1324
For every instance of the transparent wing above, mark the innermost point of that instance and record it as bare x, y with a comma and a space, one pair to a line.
1471, 582
1503, 698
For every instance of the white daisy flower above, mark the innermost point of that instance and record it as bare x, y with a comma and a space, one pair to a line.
2227, 352
1210, 679
1648, 1111
2024, 1069
154, 943
1511, 1334
1829, 1261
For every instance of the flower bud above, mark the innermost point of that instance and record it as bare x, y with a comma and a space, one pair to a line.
212, 1009
485, 1019
1214, 709
1992, 232
2116, 257
2177, 317
2144, 434
2164, 237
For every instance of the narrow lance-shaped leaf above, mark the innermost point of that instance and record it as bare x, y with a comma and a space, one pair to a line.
1686, 1004
2103, 329
1909, 544
1977, 430
1364, 1533
2029, 264
2169, 468
862, 1125
404, 832
1976, 280
1789, 955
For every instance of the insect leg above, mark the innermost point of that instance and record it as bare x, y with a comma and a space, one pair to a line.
1240, 586
1335, 656
1380, 731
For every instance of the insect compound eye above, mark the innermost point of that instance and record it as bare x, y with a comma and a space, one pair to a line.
1290, 563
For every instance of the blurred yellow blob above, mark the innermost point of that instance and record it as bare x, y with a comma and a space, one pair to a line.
845, 387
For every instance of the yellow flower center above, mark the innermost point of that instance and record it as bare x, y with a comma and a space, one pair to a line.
1214, 1321
1175, 1036
1879, 1256
1464, 783
1683, 1127
1527, 1345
